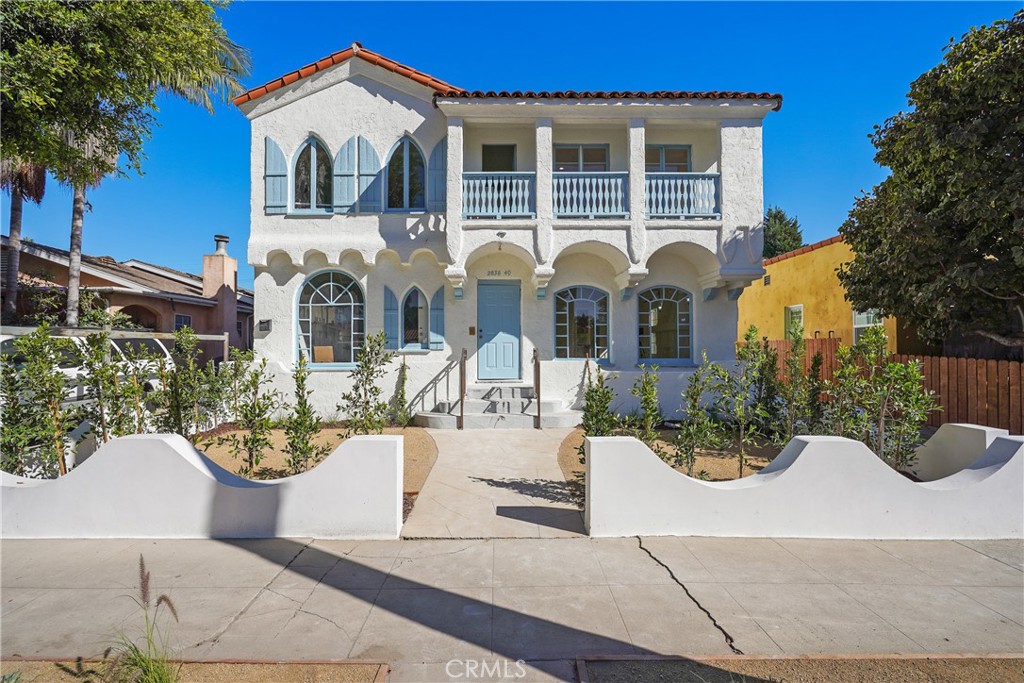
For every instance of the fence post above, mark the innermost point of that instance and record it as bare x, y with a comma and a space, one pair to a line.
226, 347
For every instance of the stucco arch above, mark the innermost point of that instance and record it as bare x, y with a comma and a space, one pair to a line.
618, 260
703, 260
506, 248
276, 258
144, 316
315, 258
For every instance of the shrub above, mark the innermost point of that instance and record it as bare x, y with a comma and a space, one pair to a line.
764, 364
644, 424
882, 403
734, 390
698, 428
35, 390
598, 418
191, 395
254, 410
302, 426
365, 411
793, 415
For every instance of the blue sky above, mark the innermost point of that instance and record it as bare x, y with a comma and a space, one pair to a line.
841, 67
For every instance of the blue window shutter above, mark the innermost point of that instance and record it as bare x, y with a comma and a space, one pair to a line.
345, 178
390, 319
437, 177
437, 320
275, 175
369, 178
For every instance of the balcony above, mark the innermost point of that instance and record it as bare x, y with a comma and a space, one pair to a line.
498, 195
682, 195
590, 195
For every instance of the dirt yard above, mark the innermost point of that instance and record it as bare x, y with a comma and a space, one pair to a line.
420, 453
719, 465
86, 671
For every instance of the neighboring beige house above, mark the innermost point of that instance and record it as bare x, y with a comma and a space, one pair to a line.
158, 298
509, 226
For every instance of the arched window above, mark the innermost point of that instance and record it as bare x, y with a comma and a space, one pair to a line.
331, 318
313, 177
414, 320
407, 177
665, 327
581, 323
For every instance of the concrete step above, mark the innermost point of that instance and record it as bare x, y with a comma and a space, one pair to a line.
503, 406
563, 419
497, 392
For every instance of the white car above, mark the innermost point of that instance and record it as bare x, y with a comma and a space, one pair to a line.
70, 363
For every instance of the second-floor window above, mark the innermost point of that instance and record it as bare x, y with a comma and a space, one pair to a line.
407, 178
581, 158
667, 159
313, 177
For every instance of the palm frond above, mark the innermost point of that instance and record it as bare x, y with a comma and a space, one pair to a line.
25, 177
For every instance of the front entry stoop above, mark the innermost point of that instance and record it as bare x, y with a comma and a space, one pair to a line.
500, 406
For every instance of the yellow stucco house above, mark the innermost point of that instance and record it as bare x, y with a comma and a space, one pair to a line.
803, 285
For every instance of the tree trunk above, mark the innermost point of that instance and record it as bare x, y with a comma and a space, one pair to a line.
13, 255
75, 261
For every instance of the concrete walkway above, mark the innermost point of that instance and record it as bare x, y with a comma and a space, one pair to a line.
495, 483
421, 604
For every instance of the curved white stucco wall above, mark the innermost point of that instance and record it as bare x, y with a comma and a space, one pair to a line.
818, 487
159, 486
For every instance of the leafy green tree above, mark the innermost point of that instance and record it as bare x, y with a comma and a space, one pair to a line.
644, 424
400, 402
734, 392
253, 415
698, 429
598, 418
191, 395
793, 416
940, 242
302, 426
81, 81
781, 233
363, 408
18, 428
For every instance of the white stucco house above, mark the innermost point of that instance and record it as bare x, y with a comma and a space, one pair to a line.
619, 226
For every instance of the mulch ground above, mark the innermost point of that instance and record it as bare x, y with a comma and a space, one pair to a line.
420, 452
92, 672
810, 670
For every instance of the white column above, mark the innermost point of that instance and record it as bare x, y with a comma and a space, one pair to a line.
742, 188
545, 211
453, 212
637, 140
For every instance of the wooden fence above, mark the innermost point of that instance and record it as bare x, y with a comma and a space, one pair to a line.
974, 390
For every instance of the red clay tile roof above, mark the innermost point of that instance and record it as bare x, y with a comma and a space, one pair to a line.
615, 95
356, 50
803, 250
443, 89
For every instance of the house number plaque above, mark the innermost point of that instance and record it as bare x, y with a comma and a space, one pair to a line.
499, 273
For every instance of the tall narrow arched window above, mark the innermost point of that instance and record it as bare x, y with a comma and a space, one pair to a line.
665, 324
581, 323
407, 177
414, 320
313, 177
331, 318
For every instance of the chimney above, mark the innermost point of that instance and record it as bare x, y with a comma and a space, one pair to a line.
220, 278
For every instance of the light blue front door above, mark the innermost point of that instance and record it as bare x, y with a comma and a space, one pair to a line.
497, 321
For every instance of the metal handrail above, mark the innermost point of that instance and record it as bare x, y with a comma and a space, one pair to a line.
462, 388
536, 384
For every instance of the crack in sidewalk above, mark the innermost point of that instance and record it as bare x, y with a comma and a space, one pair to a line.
265, 587
714, 622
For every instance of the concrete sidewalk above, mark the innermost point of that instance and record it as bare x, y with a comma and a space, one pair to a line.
495, 483
421, 604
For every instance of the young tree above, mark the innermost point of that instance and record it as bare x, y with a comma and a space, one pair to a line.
781, 233
302, 426
363, 408
940, 242
698, 428
598, 418
254, 413
644, 424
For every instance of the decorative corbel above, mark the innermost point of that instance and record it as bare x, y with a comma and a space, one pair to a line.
627, 280
541, 277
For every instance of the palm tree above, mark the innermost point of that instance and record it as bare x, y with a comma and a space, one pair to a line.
24, 180
89, 148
